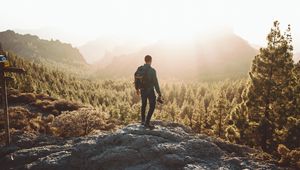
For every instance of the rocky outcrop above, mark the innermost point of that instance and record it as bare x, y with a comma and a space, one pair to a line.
168, 146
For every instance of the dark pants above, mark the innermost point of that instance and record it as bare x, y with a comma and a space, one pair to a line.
150, 95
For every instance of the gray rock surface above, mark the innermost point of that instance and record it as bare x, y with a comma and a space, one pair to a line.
168, 146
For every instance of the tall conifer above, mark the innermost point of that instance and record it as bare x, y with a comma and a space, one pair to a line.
269, 95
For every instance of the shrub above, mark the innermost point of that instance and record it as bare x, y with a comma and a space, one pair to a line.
19, 117
45, 106
26, 98
78, 123
64, 105
45, 97
20, 97
55, 107
41, 104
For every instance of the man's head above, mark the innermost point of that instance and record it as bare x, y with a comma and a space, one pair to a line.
148, 59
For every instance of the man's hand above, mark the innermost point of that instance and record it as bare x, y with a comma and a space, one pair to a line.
160, 100
138, 92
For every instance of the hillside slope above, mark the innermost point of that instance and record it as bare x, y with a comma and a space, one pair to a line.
41, 78
169, 146
32, 47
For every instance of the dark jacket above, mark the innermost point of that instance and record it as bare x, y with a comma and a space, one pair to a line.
151, 80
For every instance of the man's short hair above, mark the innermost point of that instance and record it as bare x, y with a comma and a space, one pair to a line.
148, 58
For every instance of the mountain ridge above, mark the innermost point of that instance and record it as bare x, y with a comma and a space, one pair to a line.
50, 52
220, 56
94, 51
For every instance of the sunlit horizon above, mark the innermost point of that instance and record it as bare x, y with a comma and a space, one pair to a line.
78, 22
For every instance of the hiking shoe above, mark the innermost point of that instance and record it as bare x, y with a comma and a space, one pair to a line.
149, 126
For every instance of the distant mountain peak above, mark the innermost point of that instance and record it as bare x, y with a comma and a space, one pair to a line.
222, 55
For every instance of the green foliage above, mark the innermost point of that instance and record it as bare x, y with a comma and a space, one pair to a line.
187, 112
220, 115
241, 124
269, 99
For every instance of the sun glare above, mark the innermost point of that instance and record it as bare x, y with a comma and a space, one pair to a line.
81, 21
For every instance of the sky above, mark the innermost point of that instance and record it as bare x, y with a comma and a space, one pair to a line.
80, 21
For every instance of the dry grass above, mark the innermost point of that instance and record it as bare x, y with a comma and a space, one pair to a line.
24, 120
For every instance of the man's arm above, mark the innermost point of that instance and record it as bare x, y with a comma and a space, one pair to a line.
156, 85
135, 82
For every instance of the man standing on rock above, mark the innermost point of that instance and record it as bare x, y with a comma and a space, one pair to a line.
145, 82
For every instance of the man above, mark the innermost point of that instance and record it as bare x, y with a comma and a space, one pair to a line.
147, 91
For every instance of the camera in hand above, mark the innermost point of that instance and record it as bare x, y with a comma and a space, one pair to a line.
160, 100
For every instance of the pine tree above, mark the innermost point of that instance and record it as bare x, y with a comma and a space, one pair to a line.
240, 124
187, 112
269, 94
173, 110
201, 116
220, 112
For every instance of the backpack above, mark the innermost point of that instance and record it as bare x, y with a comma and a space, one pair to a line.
140, 78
